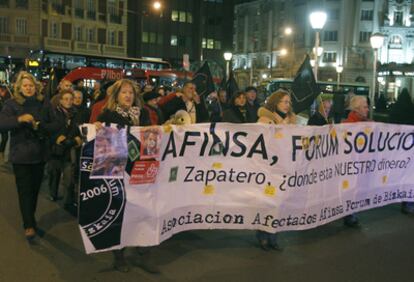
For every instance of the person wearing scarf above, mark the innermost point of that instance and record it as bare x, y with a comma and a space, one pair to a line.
237, 112
62, 142
124, 108
22, 115
276, 110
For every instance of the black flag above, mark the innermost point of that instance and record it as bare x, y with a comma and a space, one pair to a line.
203, 81
304, 87
231, 86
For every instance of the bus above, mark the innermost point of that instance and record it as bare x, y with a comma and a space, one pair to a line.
326, 87
40, 62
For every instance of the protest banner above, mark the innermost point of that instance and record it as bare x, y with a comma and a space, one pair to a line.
252, 176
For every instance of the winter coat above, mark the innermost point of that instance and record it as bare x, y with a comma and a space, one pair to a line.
252, 112
27, 145
266, 116
151, 116
171, 103
317, 119
234, 115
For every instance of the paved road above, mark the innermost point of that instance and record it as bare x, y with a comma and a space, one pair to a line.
382, 250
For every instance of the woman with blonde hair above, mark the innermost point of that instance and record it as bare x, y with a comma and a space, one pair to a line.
276, 110
22, 116
124, 108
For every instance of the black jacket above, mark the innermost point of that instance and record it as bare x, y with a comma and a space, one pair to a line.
108, 116
252, 112
234, 115
175, 104
27, 145
317, 119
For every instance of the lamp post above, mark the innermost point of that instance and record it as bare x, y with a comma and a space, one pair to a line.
227, 58
155, 6
339, 70
377, 40
317, 20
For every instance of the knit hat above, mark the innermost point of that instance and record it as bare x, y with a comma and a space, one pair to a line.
150, 95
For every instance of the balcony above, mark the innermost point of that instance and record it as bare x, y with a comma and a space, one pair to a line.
57, 44
25, 40
113, 50
87, 47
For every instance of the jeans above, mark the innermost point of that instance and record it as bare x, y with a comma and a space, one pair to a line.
28, 182
271, 238
61, 168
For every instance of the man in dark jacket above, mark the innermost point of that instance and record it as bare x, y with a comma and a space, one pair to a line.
188, 101
252, 106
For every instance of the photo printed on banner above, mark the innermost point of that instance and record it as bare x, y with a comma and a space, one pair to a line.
111, 153
150, 143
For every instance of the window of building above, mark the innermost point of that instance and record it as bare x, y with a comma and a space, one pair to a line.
367, 15
217, 44
174, 40
395, 42
21, 26
330, 35
121, 38
189, 17
90, 4
210, 43
4, 3
333, 14
174, 15
91, 35
54, 30
182, 16
329, 57
111, 37
204, 43
22, 4
145, 37
112, 7
78, 33
4, 25
364, 36
398, 18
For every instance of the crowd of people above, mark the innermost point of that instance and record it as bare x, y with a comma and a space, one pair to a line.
45, 136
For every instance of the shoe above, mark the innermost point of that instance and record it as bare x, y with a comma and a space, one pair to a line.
121, 266
120, 263
407, 208
351, 221
264, 245
40, 232
275, 246
30, 234
52, 198
146, 262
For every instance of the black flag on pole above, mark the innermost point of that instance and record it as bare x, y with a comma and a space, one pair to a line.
304, 87
231, 86
203, 80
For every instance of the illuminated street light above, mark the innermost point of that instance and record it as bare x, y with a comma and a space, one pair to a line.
317, 20
377, 40
227, 58
283, 52
288, 31
339, 70
157, 5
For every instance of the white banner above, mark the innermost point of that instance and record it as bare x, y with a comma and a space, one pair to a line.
230, 176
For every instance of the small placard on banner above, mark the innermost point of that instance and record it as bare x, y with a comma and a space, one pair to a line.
144, 172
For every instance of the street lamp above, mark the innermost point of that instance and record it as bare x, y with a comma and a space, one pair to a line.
283, 52
156, 5
288, 30
227, 58
377, 40
339, 70
317, 20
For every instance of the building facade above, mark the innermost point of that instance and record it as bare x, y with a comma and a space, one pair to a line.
95, 27
201, 29
263, 49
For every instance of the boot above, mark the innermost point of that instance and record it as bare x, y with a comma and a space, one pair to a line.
120, 263
146, 261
